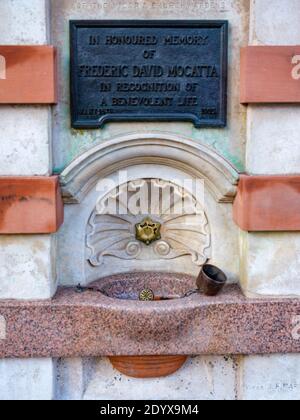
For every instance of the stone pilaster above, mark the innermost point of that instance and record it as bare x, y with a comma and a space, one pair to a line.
27, 262
272, 149
25, 150
270, 261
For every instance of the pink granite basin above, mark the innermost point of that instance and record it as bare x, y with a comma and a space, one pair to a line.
148, 287
133, 286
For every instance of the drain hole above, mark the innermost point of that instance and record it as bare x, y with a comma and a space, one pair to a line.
147, 295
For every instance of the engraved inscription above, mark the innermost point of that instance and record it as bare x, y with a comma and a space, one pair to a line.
161, 5
149, 71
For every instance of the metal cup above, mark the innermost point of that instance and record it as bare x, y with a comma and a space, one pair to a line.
211, 280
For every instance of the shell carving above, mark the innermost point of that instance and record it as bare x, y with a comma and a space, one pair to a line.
113, 233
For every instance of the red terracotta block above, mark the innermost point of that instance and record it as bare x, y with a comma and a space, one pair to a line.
270, 75
268, 203
30, 205
28, 75
147, 366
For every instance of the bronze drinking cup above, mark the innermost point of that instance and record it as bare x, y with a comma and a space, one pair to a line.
211, 280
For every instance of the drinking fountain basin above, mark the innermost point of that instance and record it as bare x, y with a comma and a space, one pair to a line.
148, 289
146, 286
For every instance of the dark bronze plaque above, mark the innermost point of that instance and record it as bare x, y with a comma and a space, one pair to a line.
149, 71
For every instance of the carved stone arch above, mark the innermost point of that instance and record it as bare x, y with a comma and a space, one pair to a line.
195, 159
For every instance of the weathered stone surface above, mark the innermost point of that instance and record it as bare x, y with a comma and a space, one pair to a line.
72, 377
24, 146
201, 378
270, 264
24, 22
26, 379
273, 140
275, 22
27, 269
272, 145
269, 261
25, 143
270, 378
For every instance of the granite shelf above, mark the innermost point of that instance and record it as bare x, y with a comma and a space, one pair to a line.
91, 324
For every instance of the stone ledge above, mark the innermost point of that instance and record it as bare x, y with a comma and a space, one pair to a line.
24, 70
91, 324
268, 203
270, 74
30, 205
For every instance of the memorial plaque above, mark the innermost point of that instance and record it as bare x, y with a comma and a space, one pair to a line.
149, 71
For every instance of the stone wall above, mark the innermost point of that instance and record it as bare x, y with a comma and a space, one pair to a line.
27, 266
259, 139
